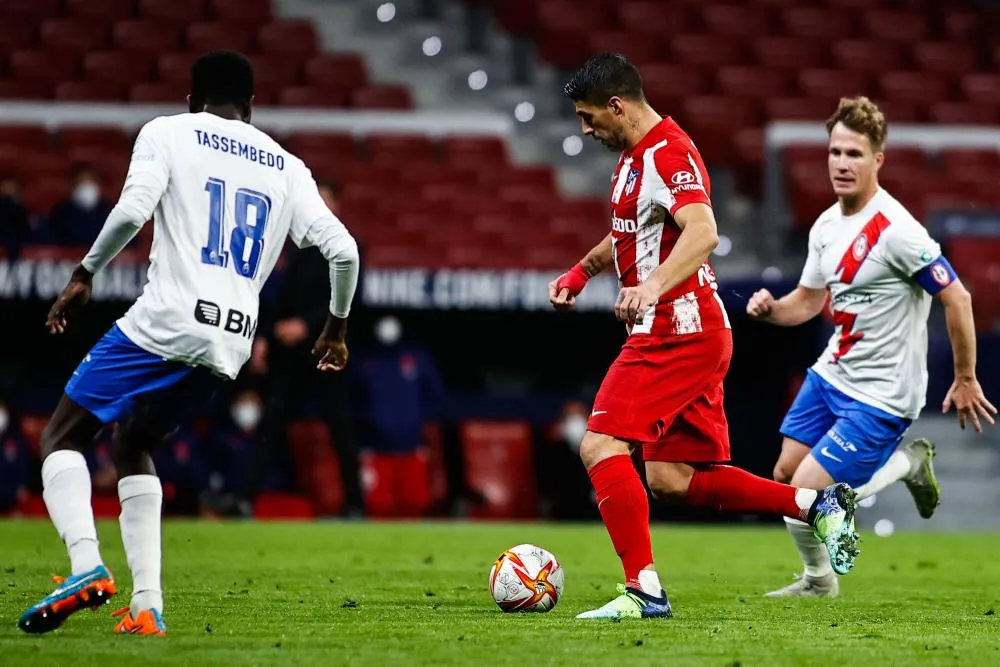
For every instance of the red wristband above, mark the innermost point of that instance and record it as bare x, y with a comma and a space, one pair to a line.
574, 280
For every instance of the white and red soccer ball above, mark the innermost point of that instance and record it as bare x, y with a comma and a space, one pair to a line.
526, 578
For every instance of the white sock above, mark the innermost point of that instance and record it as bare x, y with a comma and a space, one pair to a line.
895, 469
66, 490
141, 497
813, 552
805, 498
649, 583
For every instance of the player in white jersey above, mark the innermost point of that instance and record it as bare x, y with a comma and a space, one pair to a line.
880, 269
224, 196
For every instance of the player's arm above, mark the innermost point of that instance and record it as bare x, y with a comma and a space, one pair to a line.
798, 306
147, 179
911, 250
564, 289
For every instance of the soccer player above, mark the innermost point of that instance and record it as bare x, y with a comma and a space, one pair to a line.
880, 269
664, 391
224, 196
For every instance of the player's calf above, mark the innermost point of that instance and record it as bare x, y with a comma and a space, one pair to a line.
669, 481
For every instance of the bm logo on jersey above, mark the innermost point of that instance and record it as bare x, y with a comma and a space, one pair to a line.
236, 322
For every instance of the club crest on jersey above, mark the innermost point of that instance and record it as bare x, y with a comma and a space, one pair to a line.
631, 180
860, 247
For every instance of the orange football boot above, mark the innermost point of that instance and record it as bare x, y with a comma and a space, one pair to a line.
149, 622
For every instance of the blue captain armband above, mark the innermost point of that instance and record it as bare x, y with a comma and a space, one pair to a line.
935, 276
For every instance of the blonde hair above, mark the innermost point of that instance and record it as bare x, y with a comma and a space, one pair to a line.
863, 116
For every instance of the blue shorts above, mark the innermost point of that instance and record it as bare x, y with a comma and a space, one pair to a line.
850, 439
117, 377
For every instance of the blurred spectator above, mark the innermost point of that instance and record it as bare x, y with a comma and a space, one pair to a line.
78, 220
14, 226
228, 447
399, 393
13, 461
180, 467
101, 462
284, 352
569, 494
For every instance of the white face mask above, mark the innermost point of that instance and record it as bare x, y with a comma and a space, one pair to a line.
246, 415
4, 421
573, 428
86, 195
388, 331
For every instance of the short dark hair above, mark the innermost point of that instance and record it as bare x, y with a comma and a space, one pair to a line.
221, 77
603, 76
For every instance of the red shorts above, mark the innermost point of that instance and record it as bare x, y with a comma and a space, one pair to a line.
665, 393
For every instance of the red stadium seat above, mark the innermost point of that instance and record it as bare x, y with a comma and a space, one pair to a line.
983, 160
312, 96
982, 88
903, 111
563, 48
961, 25
789, 52
244, 11
736, 20
399, 149
343, 70
105, 10
944, 57
177, 67
798, 108
569, 15
640, 48
17, 35
34, 137
342, 146
655, 17
288, 38
282, 507
485, 151
964, 113
748, 146
977, 260
713, 120
663, 80
382, 97
707, 50
895, 25
270, 71
91, 91
868, 55
26, 90
832, 84
50, 66
80, 35
753, 82
37, 10
176, 11
160, 93
914, 86
107, 138
148, 36
42, 193
316, 465
518, 16
211, 35
817, 23
498, 462
115, 67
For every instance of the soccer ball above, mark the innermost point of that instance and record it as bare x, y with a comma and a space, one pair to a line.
526, 578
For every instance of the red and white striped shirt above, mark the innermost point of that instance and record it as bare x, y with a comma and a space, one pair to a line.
662, 173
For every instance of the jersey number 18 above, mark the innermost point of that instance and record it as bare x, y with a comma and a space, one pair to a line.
246, 243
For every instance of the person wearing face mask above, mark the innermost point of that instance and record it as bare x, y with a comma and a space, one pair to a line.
399, 391
228, 449
13, 462
78, 219
568, 495
288, 325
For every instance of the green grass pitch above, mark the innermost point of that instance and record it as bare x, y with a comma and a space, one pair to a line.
392, 594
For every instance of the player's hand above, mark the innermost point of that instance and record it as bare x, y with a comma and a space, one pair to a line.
330, 349
970, 403
633, 302
74, 297
564, 289
760, 304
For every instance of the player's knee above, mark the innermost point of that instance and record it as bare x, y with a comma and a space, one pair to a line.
667, 483
596, 447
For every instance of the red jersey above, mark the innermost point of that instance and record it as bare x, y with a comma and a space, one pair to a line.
659, 175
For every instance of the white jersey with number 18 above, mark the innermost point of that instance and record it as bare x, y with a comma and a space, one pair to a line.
878, 353
224, 196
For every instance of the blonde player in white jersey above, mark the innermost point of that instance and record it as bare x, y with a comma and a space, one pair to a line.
224, 196
880, 269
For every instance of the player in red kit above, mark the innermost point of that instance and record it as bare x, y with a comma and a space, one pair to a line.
664, 391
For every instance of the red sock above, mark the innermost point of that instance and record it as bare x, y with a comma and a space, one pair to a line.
729, 489
623, 504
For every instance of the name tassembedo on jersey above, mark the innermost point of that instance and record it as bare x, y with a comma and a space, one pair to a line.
238, 148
